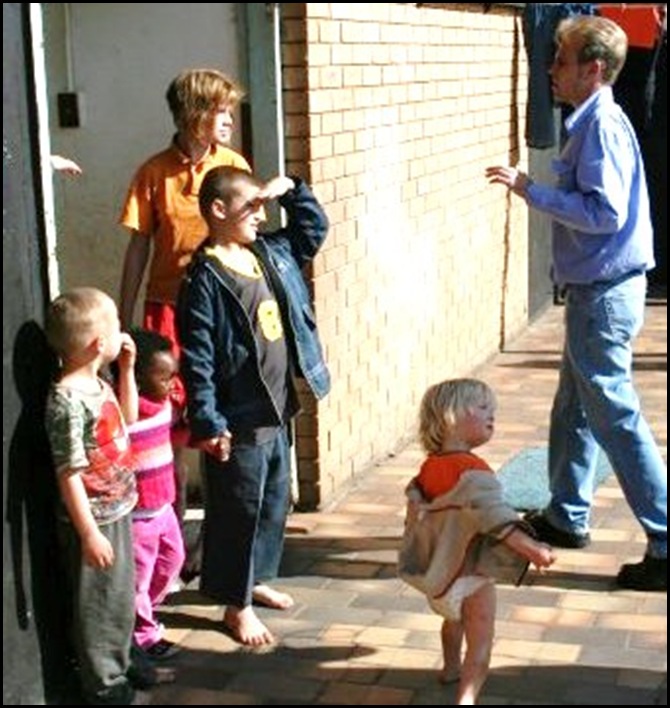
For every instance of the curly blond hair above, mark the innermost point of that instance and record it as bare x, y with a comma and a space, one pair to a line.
443, 404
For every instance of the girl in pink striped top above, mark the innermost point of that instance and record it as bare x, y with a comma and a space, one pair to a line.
158, 542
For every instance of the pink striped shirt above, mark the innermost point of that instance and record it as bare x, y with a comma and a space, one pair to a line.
150, 438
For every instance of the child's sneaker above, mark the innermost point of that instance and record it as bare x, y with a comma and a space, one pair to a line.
143, 673
177, 586
162, 649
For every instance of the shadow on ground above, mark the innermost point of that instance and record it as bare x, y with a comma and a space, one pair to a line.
640, 363
375, 558
302, 672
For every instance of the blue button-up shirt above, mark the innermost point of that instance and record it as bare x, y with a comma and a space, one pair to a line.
600, 204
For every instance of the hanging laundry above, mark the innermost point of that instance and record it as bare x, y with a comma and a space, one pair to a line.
539, 26
639, 22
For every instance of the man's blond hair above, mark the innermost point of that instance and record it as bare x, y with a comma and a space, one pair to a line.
598, 38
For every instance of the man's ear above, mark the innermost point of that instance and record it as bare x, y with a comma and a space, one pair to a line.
596, 69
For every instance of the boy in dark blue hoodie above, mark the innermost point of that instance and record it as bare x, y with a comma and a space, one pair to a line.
247, 328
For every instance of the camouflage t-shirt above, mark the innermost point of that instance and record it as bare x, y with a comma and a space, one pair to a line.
88, 436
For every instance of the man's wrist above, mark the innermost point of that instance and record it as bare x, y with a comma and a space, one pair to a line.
523, 182
529, 183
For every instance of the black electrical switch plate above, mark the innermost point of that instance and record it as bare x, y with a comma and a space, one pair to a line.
69, 110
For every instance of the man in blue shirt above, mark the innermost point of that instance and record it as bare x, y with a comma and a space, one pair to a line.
602, 248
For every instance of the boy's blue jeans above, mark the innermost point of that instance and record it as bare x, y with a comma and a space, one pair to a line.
596, 405
246, 506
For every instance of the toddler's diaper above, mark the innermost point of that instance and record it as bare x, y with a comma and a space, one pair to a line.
449, 605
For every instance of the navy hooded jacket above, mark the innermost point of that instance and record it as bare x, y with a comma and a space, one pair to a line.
219, 358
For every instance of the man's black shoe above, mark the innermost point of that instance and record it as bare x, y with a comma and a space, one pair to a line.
649, 574
553, 536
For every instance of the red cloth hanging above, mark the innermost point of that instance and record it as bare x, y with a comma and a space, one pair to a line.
641, 24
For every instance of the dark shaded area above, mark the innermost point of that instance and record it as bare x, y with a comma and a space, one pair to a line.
31, 503
296, 673
642, 91
35, 654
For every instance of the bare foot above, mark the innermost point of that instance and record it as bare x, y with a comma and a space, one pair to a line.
266, 596
245, 627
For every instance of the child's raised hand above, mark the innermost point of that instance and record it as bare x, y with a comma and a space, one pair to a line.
128, 353
276, 187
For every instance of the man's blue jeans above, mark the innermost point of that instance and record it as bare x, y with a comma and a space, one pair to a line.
596, 405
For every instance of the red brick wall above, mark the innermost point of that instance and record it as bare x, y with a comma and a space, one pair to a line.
393, 112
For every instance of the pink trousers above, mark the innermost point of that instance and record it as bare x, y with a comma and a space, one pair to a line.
158, 546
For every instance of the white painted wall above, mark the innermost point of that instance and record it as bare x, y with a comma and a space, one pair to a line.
120, 57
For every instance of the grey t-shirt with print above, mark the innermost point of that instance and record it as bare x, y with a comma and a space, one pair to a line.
88, 436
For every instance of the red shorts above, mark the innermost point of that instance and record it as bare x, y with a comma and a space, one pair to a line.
160, 317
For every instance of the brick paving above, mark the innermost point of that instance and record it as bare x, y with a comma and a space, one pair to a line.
358, 635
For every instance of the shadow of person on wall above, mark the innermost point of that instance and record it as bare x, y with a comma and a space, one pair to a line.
32, 493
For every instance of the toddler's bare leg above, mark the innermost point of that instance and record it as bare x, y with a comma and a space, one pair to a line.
478, 625
452, 642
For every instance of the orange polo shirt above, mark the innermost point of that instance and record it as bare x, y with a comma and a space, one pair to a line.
162, 204
439, 474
